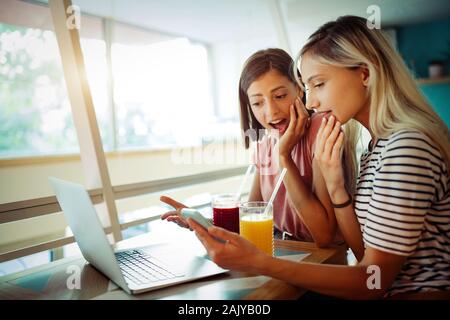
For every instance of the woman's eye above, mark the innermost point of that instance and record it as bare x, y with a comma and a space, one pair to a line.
281, 96
256, 104
318, 85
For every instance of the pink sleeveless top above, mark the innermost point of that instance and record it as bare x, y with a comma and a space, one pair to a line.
265, 158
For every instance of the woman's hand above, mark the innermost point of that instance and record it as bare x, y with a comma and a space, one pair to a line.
175, 215
296, 129
328, 153
236, 253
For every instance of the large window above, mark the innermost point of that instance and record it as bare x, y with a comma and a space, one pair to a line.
34, 111
159, 94
34, 107
161, 89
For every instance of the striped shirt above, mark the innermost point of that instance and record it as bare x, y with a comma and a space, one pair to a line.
403, 207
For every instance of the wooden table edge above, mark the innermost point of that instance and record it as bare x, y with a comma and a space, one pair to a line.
276, 289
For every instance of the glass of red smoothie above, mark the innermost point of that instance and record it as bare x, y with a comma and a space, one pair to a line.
226, 211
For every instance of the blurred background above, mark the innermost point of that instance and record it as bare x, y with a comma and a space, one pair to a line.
164, 76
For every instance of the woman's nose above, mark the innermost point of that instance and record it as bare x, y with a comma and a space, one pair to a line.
272, 109
311, 102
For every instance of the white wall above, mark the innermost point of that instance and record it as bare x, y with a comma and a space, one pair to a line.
227, 61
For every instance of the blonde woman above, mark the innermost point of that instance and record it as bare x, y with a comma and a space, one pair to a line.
398, 220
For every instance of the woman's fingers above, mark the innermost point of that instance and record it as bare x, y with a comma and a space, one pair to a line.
292, 120
171, 202
320, 141
328, 127
301, 109
337, 148
331, 140
174, 216
182, 224
169, 214
202, 234
303, 115
178, 220
323, 135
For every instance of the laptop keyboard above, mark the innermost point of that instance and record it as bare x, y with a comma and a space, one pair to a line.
139, 267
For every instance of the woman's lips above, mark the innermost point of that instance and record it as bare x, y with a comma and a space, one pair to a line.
281, 126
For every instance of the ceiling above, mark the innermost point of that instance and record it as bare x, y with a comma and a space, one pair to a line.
227, 20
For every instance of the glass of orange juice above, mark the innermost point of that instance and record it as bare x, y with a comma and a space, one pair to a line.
256, 225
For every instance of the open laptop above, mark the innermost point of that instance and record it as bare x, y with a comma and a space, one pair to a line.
134, 270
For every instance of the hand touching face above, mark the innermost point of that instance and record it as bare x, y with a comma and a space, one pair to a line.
296, 129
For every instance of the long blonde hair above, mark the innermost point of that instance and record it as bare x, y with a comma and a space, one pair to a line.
395, 100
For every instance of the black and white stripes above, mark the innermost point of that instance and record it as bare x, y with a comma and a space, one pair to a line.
403, 206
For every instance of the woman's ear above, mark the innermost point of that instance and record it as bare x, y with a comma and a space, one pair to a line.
365, 75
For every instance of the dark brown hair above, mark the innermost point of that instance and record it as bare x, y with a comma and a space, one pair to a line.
256, 66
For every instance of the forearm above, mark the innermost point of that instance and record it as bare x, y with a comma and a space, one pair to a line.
307, 205
348, 282
254, 197
347, 222
255, 191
